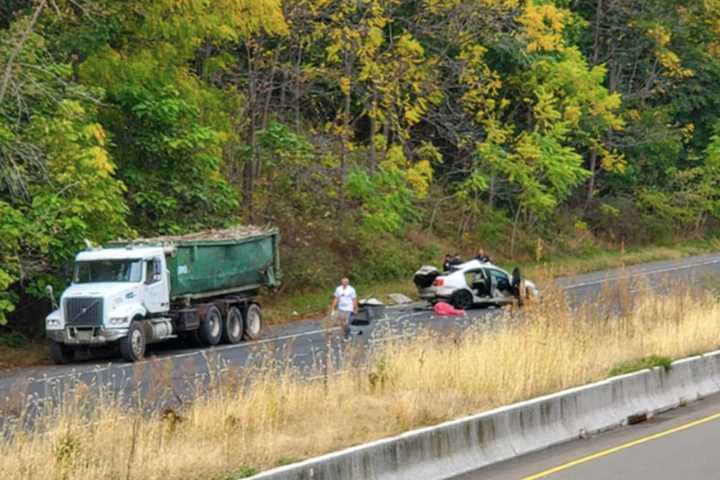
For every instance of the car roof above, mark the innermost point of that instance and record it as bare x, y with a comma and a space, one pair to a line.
473, 264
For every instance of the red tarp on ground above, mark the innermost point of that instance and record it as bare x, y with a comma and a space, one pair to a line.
446, 310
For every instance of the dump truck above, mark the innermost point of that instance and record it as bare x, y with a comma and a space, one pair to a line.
129, 294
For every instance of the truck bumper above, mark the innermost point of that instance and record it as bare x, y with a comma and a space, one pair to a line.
87, 336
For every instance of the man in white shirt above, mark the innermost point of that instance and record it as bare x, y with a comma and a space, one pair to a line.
345, 303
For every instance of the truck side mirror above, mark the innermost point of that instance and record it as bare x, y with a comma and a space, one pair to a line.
51, 294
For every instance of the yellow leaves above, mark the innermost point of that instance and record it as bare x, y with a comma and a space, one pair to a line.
419, 177
660, 34
441, 7
483, 84
185, 23
239, 19
527, 149
671, 62
408, 46
394, 159
344, 85
99, 160
96, 131
543, 25
633, 114
572, 114
687, 132
545, 108
428, 151
611, 161
413, 115
665, 56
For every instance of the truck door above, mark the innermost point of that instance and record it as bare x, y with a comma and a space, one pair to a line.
157, 288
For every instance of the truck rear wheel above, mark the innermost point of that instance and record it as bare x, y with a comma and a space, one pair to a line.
253, 322
61, 354
234, 326
211, 327
132, 347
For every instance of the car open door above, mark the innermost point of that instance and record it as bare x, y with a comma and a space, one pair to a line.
517, 289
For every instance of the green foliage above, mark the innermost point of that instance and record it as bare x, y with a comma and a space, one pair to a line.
497, 120
58, 183
631, 366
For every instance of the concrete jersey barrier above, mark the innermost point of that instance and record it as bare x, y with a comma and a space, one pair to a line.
460, 446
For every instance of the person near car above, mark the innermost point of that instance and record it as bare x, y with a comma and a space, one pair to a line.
482, 256
447, 263
344, 305
456, 260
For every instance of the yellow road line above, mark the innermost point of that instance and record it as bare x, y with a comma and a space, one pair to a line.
612, 450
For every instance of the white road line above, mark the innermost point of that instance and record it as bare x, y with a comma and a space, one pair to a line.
639, 274
324, 331
97, 370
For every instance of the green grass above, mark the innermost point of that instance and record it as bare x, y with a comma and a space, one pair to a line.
641, 364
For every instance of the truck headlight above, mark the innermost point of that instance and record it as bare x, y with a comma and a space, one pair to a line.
53, 322
118, 320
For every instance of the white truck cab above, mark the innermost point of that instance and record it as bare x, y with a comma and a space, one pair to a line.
110, 288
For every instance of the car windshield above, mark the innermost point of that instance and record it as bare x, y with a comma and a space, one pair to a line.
101, 271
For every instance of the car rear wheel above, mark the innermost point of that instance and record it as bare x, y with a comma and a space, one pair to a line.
462, 300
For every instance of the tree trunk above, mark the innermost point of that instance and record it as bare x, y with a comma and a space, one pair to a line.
591, 180
514, 232
249, 170
298, 77
491, 199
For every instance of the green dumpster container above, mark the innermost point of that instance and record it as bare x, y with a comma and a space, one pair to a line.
220, 262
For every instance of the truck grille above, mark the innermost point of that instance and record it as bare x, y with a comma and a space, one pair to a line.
84, 312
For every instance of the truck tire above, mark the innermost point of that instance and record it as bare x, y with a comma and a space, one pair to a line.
211, 327
132, 347
462, 300
61, 354
234, 326
253, 322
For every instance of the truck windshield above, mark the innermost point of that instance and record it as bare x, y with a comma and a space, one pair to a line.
101, 271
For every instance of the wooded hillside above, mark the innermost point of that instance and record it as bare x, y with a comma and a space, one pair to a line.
369, 131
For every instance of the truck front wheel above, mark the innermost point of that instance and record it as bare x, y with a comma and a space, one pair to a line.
253, 322
132, 347
211, 327
234, 326
61, 354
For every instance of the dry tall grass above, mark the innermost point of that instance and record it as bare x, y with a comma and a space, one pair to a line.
237, 429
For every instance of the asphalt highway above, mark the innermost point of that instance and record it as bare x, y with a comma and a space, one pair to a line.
304, 346
679, 444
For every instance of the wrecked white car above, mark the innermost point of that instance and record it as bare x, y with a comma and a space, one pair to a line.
474, 283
